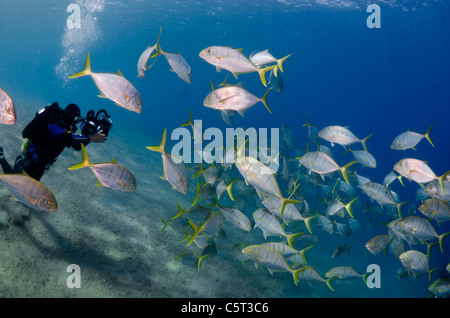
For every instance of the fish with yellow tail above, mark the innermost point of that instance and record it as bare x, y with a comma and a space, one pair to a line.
114, 87
232, 60
109, 174
142, 65
264, 57
271, 259
410, 139
29, 191
321, 163
175, 173
178, 64
418, 171
235, 98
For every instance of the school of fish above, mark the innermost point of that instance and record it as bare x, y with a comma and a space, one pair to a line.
313, 192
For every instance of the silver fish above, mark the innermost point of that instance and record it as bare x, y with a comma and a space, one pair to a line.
114, 87
7, 109
236, 217
264, 57
211, 226
323, 164
435, 209
336, 205
378, 243
291, 213
440, 287
211, 173
420, 228
409, 140
29, 191
418, 171
416, 263
142, 65
345, 272
175, 173
311, 275
261, 178
435, 190
326, 224
391, 177
270, 226
382, 195
364, 158
288, 251
109, 174
342, 136
233, 61
235, 98
178, 65
271, 259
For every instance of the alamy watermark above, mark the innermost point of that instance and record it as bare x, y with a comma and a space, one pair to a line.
374, 20
238, 145
74, 19
74, 279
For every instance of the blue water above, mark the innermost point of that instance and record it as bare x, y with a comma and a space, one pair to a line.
375, 81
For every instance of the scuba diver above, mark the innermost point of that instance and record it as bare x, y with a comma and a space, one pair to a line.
53, 129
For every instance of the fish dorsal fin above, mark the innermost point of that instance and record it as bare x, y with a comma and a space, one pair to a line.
239, 50
114, 161
25, 173
120, 74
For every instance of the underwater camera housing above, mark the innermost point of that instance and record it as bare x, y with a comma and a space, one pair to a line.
93, 124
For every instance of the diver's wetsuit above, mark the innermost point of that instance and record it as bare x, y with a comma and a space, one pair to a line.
44, 145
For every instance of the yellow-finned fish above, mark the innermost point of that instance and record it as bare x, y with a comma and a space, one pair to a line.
29, 191
418, 171
175, 173
342, 136
382, 194
109, 174
7, 109
377, 243
409, 140
323, 164
264, 57
232, 60
114, 87
142, 65
416, 263
178, 64
271, 259
235, 98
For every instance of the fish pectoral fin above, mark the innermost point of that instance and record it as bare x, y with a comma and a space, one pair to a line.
125, 96
223, 100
